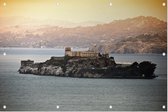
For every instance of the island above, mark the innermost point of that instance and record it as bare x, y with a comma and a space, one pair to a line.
88, 64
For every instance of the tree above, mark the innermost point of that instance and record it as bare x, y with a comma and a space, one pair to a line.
147, 68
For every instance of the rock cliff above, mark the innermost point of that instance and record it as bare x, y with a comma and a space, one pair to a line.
93, 67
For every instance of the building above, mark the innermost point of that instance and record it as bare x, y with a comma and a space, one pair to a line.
27, 63
69, 52
57, 58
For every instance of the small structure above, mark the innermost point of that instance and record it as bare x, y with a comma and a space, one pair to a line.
27, 63
57, 58
69, 52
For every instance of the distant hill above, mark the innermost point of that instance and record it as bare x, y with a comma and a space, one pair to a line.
141, 44
133, 35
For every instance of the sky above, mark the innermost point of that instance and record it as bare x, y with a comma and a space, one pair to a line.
77, 11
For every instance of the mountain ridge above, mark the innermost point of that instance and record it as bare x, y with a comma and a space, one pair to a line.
107, 35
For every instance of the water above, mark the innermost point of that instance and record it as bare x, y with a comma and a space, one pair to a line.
30, 92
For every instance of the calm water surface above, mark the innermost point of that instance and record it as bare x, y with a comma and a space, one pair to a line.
31, 92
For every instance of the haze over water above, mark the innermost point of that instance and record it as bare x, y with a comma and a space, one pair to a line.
32, 92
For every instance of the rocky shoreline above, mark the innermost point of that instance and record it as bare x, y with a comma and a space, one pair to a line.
89, 67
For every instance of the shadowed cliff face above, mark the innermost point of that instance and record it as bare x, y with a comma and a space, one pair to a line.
93, 67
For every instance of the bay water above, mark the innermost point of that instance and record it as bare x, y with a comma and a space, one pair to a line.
29, 92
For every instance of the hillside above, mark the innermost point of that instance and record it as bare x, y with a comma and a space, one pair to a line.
121, 36
142, 44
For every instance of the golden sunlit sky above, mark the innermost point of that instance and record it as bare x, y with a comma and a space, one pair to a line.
83, 10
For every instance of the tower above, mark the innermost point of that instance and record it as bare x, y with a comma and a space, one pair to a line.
68, 51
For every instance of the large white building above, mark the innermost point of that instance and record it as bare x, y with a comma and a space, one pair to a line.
69, 52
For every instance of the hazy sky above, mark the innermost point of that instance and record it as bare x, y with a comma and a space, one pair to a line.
83, 10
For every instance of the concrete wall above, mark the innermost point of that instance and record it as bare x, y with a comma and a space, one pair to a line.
68, 53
